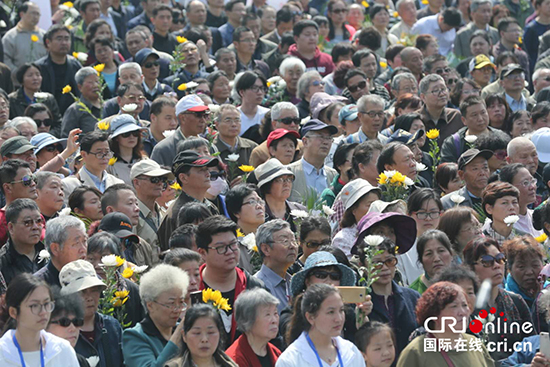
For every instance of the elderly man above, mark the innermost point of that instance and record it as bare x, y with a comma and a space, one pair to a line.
473, 169
310, 172
371, 115
196, 14
481, 12
278, 249
541, 80
407, 12
19, 147
66, 241
404, 83
226, 60
149, 180
50, 198
437, 64
397, 156
435, 114
87, 80
284, 115
412, 59
442, 26
522, 150
20, 253
512, 79
304, 32
192, 115
357, 85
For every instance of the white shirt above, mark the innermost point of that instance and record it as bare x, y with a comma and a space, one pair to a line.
429, 25
247, 123
409, 266
525, 224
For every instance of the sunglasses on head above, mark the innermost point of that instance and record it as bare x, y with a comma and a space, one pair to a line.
135, 133
323, 274
52, 148
290, 120
65, 322
214, 175
355, 88
45, 122
150, 64
488, 261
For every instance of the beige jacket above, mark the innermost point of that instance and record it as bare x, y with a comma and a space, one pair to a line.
82, 178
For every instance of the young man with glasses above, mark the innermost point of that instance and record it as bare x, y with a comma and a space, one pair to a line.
95, 152
149, 179
512, 79
20, 253
218, 245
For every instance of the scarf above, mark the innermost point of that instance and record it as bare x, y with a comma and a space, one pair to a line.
512, 286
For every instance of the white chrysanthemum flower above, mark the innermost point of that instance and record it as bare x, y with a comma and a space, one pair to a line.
233, 157
511, 219
249, 241
139, 269
420, 167
130, 107
327, 210
192, 85
82, 57
457, 199
408, 182
374, 240
390, 174
93, 361
65, 212
43, 255
168, 133
40, 95
470, 138
109, 260
296, 213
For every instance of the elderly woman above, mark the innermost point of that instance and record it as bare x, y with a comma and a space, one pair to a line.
460, 224
291, 70
281, 144
257, 317
435, 254
25, 125
463, 277
101, 335
219, 87
449, 300
309, 83
251, 88
29, 77
4, 108
484, 256
427, 44
87, 81
125, 142
500, 201
519, 124
357, 197
154, 340
188, 261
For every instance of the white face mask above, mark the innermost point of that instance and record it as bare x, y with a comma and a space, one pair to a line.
218, 187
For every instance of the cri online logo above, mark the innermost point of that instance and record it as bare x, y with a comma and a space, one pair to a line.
476, 325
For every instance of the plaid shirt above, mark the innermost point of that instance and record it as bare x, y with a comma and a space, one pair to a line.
490, 232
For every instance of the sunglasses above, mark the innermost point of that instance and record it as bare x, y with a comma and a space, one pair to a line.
314, 244
26, 180
215, 175
45, 122
355, 88
317, 83
201, 114
488, 261
66, 322
155, 180
135, 133
290, 120
322, 274
391, 262
149, 65
452, 81
178, 21
442, 70
53, 148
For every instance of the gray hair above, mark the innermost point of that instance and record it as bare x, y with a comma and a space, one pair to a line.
289, 63
42, 177
537, 72
477, 3
130, 65
83, 73
427, 80
305, 81
18, 121
249, 303
516, 143
192, 143
264, 233
225, 107
279, 107
161, 278
401, 2
57, 230
396, 82
369, 98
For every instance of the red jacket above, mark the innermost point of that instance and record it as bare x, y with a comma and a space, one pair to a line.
321, 62
241, 352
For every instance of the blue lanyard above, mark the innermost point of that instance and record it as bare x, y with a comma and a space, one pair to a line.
341, 364
21, 353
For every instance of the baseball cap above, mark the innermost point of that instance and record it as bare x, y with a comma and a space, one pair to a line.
472, 154
77, 276
279, 134
191, 103
149, 167
405, 137
479, 62
509, 69
118, 224
191, 158
42, 140
316, 125
541, 139
123, 123
143, 54
16, 145
347, 113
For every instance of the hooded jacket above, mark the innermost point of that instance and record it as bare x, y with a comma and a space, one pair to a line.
321, 62
57, 351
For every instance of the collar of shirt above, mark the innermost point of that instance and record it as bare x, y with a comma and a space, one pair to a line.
191, 76
151, 91
232, 149
273, 277
472, 195
146, 211
511, 101
309, 169
97, 181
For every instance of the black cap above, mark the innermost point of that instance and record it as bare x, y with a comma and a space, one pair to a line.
143, 54
472, 154
118, 224
405, 137
191, 158
509, 69
316, 125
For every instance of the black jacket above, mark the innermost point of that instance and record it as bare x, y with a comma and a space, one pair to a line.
52, 84
12, 263
107, 342
49, 274
111, 108
19, 103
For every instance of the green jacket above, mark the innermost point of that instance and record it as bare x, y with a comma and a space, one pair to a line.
329, 194
79, 33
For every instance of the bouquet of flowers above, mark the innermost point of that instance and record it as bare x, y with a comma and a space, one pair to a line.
113, 301
394, 185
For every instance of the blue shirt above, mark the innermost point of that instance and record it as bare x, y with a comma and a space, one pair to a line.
110, 80
100, 184
226, 31
316, 179
516, 105
276, 285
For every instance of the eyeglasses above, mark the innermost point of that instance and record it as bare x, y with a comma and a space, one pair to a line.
442, 70
175, 307
488, 261
135, 133
390, 262
339, 11
26, 180
256, 88
290, 120
254, 202
45, 122
286, 242
359, 86
438, 91
215, 175
528, 183
66, 322
317, 83
284, 180
36, 308
373, 114
4, 106
323, 274
149, 65
53, 148
102, 155
199, 115
222, 250
426, 215
409, 90
134, 98
515, 76
314, 244
155, 180
473, 228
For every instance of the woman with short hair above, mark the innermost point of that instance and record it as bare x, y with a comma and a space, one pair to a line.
500, 200
461, 225
309, 83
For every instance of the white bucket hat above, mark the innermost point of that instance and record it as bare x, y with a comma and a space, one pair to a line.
77, 276
270, 170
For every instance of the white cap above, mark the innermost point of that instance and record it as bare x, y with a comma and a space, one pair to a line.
355, 190
191, 103
541, 139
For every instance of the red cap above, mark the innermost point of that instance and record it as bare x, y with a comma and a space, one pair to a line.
280, 133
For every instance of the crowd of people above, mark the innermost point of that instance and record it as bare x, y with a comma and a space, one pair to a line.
268, 184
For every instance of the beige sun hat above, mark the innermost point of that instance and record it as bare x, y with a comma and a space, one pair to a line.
77, 276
